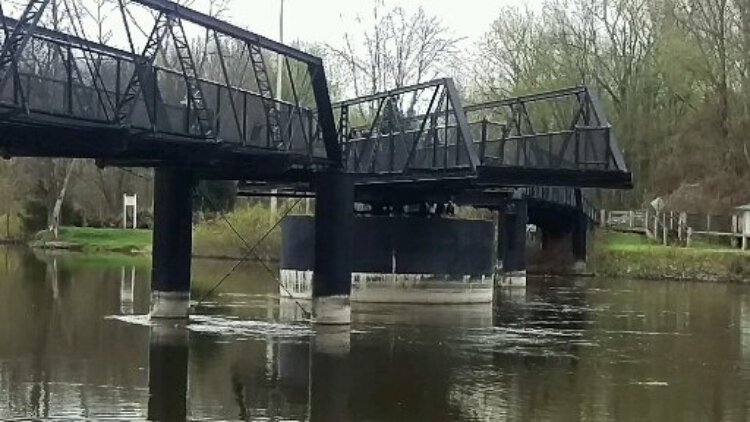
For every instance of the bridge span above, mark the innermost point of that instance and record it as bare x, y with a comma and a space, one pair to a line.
145, 100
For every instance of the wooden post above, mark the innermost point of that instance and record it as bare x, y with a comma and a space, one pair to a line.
683, 226
671, 220
645, 221
689, 240
708, 222
664, 231
603, 218
631, 219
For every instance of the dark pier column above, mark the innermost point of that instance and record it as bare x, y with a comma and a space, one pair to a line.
580, 235
172, 243
334, 228
513, 239
168, 372
580, 242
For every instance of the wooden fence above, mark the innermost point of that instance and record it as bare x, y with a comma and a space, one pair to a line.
681, 226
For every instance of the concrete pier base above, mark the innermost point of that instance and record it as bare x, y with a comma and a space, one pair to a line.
579, 267
398, 288
170, 305
511, 279
400, 260
332, 310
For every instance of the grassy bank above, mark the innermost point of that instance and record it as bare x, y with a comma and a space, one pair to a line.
213, 238
633, 256
91, 240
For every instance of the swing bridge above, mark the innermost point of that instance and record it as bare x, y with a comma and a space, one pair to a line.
140, 91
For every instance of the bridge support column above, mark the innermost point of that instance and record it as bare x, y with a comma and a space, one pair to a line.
580, 243
334, 229
172, 243
513, 239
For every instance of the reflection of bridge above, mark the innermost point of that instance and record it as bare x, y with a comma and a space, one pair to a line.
153, 103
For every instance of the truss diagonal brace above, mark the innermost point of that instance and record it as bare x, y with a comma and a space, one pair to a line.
190, 74
143, 74
17, 40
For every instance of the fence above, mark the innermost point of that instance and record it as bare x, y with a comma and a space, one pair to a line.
665, 226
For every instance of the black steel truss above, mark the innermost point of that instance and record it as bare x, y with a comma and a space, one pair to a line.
563, 130
135, 91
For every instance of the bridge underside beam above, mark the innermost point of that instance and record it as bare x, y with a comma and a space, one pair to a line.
123, 148
530, 176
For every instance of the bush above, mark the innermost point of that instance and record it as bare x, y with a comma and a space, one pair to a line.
214, 237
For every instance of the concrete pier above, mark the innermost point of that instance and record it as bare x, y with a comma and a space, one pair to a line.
403, 259
580, 243
334, 221
512, 237
172, 243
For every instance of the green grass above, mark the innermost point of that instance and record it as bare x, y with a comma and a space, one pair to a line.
631, 242
102, 240
634, 256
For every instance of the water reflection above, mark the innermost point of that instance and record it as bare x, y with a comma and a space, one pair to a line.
168, 371
560, 350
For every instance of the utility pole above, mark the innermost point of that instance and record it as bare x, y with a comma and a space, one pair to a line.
279, 88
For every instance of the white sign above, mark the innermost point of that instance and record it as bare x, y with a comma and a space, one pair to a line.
129, 201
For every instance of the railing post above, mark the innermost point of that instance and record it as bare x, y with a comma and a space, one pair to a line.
682, 225
483, 147
69, 81
631, 219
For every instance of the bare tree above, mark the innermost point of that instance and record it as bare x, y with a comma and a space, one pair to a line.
394, 48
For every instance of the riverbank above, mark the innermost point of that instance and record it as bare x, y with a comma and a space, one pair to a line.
96, 240
213, 238
620, 255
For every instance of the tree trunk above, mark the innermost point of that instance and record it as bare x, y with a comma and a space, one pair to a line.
54, 225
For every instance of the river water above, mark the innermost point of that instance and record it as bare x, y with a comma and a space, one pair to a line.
74, 343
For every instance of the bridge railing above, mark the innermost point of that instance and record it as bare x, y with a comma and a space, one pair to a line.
421, 127
159, 89
564, 129
426, 127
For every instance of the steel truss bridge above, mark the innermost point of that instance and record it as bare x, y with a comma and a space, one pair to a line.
150, 97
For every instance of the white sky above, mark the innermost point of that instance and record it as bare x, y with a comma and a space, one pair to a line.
326, 21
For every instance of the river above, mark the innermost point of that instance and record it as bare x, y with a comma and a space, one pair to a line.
75, 344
